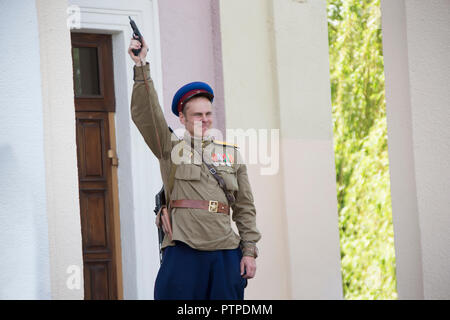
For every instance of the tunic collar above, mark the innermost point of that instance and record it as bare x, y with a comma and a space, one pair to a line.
197, 142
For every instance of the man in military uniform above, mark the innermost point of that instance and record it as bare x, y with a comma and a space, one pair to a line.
203, 258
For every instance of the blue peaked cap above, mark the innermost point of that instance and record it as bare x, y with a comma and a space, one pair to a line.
187, 92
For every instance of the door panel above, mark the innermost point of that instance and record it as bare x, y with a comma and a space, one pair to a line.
98, 276
91, 147
95, 220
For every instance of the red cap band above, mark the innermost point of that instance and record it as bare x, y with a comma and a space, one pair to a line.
188, 95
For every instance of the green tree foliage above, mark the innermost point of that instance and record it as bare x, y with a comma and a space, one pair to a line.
360, 145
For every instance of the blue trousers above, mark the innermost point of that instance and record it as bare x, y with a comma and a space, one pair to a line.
190, 274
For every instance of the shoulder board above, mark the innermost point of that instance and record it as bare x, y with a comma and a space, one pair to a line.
225, 143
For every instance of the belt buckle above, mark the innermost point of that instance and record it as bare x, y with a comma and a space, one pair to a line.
213, 206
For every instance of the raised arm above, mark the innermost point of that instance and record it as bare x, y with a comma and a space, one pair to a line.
145, 108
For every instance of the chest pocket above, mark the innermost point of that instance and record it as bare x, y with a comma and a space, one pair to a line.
188, 172
229, 176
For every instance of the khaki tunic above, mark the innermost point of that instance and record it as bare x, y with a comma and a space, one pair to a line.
198, 228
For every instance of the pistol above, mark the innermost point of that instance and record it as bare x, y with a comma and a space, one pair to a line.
136, 34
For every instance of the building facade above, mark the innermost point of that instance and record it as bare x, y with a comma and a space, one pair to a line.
268, 63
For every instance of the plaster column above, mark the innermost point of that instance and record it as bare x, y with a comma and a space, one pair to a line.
276, 73
416, 46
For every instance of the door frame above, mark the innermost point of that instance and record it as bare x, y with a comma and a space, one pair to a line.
115, 205
138, 172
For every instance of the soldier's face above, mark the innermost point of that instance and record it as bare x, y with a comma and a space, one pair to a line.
198, 116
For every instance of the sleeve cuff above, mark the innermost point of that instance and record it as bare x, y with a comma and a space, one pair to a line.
249, 249
137, 72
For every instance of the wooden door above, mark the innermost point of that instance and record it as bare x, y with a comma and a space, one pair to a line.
94, 104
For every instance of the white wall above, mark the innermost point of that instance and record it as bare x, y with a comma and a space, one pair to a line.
416, 41
24, 248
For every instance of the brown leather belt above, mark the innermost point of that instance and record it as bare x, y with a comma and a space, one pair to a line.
211, 206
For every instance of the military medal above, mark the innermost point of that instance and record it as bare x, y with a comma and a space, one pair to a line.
229, 158
214, 159
223, 159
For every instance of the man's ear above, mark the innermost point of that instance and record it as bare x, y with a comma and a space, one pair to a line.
182, 118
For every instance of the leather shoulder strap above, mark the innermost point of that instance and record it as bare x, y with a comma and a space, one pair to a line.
230, 197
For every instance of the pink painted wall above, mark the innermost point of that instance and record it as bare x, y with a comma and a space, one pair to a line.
191, 51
